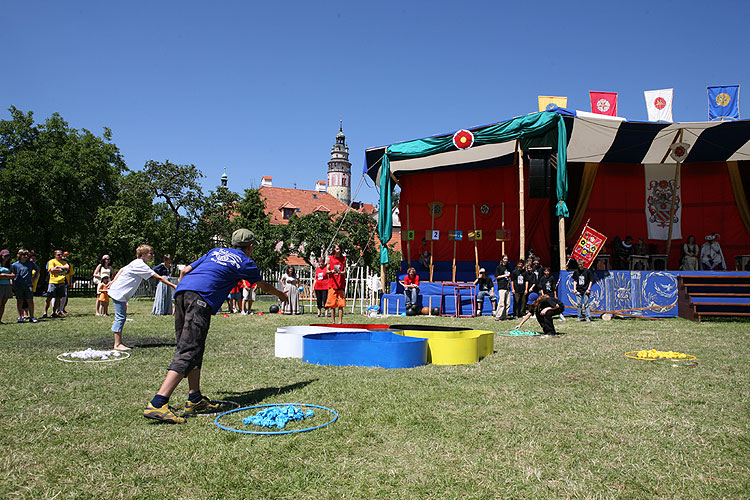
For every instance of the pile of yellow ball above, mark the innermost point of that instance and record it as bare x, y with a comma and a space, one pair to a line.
654, 354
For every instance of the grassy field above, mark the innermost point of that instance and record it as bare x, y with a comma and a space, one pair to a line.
566, 417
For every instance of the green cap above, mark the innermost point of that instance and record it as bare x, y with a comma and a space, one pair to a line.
243, 238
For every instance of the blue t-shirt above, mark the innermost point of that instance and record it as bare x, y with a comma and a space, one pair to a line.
4, 281
23, 272
216, 273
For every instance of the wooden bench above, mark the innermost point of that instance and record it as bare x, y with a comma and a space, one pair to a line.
713, 295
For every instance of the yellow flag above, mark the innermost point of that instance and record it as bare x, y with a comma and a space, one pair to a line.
547, 102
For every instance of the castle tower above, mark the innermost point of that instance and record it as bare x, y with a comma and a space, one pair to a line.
340, 169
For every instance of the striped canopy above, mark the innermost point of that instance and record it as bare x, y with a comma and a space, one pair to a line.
595, 140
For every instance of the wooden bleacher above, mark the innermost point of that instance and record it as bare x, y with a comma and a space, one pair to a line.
713, 295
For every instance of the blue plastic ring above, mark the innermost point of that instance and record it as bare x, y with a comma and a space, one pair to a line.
272, 433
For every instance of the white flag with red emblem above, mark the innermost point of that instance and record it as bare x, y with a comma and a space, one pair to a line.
660, 191
659, 105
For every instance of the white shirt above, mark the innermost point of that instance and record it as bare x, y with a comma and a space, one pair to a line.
127, 282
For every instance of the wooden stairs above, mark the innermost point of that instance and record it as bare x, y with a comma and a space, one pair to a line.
713, 295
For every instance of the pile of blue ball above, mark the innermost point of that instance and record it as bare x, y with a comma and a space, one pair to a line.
522, 333
278, 416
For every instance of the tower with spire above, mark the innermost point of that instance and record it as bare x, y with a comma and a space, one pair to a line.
340, 169
224, 178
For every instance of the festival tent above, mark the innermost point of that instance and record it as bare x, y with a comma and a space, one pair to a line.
604, 173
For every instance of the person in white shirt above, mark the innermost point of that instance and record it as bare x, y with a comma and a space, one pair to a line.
712, 258
124, 285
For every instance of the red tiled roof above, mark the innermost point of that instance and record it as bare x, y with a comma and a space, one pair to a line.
295, 260
303, 200
368, 208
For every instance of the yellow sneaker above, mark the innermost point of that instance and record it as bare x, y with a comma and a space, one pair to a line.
165, 414
205, 405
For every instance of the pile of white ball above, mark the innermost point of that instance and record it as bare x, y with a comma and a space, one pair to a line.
91, 354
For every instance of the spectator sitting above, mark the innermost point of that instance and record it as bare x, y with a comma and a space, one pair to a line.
486, 288
689, 261
411, 287
712, 258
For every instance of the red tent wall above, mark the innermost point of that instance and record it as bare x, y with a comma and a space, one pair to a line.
617, 208
490, 186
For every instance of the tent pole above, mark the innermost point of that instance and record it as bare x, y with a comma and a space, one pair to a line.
432, 242
673, 207
561, 239
476, 251
502, 227
455, 228
408, 242
521, 210
382, 278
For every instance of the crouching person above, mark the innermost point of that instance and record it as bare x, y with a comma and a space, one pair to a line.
544, 307
203, 286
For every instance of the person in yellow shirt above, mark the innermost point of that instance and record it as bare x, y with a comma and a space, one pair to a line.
58, 271
68, 283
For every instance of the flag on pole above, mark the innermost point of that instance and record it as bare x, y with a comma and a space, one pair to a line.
660, 190
551, 102
588, 246
659, 104
724, 102
604, 103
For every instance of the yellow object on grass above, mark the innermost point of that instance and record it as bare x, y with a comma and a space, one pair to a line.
455, 347
653, 354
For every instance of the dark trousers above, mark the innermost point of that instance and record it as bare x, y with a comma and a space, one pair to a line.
320, 298
519, 304
548, 327
192, 317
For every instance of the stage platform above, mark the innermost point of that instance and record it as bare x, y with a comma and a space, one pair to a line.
640, 293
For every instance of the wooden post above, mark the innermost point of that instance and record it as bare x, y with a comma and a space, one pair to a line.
673, 207
561, 240
502, 228
382, 278
408, 242
455, 228
521, 211
432, 242
476, 251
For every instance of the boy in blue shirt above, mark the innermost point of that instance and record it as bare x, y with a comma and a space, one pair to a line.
22, 283
203, 286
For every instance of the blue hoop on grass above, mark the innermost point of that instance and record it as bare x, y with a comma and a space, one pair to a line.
271, 433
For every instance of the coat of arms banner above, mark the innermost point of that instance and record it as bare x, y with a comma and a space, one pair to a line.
660, 188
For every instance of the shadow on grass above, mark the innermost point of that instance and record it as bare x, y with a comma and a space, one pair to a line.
132, 341
256, 396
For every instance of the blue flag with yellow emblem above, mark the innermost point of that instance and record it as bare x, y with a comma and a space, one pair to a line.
724, 102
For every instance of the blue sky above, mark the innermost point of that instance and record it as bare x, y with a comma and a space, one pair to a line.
259, 88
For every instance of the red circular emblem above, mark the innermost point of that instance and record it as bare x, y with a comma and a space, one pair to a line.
660, 103
463, 139
662, 184
679, 151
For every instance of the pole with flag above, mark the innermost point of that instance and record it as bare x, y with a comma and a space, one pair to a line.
588, 246
603, 103
659, 104
724, 102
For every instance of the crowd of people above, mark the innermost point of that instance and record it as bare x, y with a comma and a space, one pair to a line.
528, 283
202, 288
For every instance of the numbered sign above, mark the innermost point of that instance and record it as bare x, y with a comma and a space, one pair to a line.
502, 235
455, 235
409, 235
475, 235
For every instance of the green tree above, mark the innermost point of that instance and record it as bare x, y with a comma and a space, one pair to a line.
217, 222
309, 235
54, 178
130, 222
178, 204
250, 213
